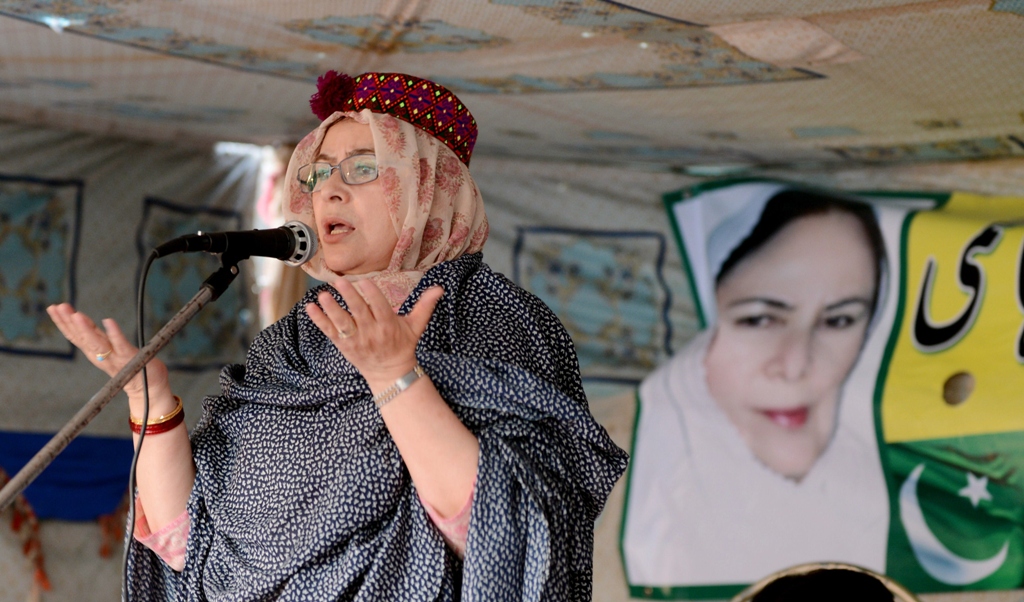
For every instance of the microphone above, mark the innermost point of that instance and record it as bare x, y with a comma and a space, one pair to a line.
293, 243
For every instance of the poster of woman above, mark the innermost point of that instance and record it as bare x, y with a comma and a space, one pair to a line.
762, 444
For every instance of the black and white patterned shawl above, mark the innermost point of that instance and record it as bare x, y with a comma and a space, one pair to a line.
301, 493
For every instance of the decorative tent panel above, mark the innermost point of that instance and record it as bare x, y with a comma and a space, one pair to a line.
724, 84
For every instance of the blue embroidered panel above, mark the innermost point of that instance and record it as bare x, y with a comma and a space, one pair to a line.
218, 334
682, 54
39, 225
974, 148
377, 33
607, 289
109, 21
1009, 6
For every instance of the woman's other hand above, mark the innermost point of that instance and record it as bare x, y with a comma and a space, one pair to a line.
378, 342
439, 451
106, 348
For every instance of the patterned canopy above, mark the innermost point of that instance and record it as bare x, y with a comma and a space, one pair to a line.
707, 85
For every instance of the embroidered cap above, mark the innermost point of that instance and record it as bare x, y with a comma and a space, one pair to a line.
429, 106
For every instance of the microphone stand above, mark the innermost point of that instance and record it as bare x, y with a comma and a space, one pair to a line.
211, 289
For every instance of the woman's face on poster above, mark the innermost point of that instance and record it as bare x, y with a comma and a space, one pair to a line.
792, 320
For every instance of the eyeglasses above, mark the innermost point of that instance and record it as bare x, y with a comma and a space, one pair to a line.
357, 169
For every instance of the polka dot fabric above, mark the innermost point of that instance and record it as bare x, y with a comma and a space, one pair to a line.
301, 493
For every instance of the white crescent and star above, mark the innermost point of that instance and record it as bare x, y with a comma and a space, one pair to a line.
976, 490
936, 559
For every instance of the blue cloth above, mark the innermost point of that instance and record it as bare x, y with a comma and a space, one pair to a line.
85, 481
301, 493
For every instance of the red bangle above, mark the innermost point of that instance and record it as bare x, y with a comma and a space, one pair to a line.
154, 429
160, 424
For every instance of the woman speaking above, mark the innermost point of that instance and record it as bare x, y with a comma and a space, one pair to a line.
416, 430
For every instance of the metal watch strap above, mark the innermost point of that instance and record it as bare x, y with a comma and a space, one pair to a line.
403, 383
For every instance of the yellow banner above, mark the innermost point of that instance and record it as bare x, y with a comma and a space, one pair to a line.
956, 368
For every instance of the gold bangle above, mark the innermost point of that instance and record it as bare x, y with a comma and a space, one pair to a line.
159, 419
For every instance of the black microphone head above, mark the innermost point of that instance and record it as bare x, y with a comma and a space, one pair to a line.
305, 243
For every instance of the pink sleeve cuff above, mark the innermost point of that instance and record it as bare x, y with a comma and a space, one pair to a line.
168, 543
454, 530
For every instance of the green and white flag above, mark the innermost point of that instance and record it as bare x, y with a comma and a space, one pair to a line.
950, 399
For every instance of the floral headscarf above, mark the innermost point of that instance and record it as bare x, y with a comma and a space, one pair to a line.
434, 204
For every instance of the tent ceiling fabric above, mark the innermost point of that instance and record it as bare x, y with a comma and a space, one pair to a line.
704, 84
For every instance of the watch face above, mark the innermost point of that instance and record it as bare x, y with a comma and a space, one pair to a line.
404, 382
400, 385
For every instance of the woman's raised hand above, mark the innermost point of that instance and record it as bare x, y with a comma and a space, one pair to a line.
378, 342
106, 348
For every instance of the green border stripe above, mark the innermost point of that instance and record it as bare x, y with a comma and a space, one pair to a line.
629, 481
687, 592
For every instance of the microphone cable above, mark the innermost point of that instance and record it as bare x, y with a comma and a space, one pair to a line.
304, 247
140, 343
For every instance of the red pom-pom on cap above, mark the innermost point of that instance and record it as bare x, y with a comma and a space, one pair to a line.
333, 89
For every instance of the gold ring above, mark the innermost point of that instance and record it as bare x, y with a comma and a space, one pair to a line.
102, 356
343, 334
